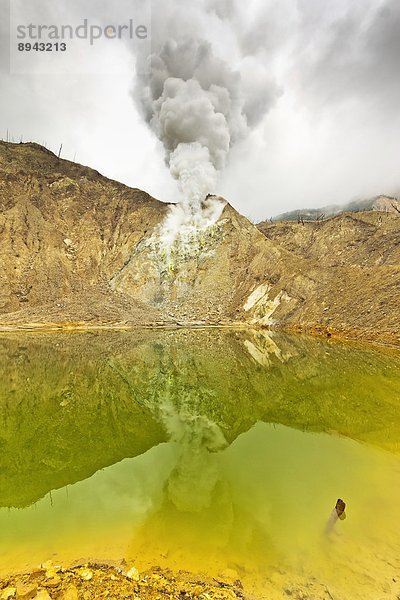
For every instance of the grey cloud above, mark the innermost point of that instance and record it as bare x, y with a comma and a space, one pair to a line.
196, 103
224, 9
266, 30
357, 59
317, 82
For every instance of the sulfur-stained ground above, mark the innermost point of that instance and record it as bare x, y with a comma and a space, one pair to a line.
86, 582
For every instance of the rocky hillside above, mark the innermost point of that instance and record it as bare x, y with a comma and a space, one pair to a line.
349, 283
77, 249
64, 230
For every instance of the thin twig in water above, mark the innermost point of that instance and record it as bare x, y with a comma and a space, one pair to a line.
329, 594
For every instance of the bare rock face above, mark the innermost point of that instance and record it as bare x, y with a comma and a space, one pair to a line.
79, 248
65, 231
208, 280
347, 279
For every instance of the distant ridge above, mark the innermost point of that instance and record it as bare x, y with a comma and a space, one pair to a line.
381, 203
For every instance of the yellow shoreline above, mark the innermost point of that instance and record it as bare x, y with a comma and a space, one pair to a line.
96, 580
366, 337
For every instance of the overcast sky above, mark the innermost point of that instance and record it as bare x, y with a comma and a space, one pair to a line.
331, 126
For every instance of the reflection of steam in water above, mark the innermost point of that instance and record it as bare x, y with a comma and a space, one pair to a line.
179, 408
197, 437
195, 475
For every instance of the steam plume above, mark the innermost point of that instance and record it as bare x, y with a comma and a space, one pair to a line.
197, 106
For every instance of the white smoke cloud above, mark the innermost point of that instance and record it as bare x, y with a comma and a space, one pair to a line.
192, 166
199, 105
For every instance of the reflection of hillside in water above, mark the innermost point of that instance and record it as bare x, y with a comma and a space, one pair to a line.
71, 404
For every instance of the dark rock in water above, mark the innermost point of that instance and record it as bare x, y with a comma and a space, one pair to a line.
340, 509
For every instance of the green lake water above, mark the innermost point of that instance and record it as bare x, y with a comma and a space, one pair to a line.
204, 450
